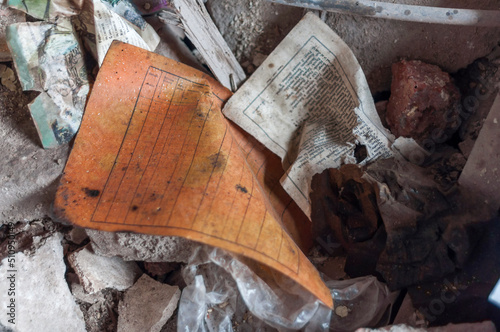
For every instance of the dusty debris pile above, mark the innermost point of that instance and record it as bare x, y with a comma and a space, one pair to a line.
244, 165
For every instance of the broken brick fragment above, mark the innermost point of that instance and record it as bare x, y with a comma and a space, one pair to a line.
424, 102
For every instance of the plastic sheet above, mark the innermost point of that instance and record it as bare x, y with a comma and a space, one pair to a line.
222, 289
365, 302
211, 298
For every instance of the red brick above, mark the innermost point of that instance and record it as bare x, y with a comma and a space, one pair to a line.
424, 102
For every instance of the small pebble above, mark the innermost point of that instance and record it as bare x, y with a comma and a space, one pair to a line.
342, 311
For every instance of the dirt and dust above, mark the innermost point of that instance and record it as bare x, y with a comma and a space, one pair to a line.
28, 173
253, 27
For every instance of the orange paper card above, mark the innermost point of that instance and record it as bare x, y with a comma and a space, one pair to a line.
154, 155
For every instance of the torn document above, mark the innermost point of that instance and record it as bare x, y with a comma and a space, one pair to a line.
154, 155
128, 11
309, 103
47, 10
99, 26
48, 58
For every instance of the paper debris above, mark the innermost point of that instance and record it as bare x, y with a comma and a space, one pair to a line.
128, 11
154, 155
47, 10
310, 104
99, 26
48, 58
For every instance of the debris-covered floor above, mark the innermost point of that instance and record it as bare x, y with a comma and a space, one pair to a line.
395, 240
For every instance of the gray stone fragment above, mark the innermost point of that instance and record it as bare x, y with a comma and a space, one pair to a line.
481, 173
77, 235
80, 294
141, 247
147, 306
102, 316
97, 272
43, 300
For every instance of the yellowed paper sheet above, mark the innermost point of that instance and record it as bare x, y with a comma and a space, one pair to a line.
154, 155
309, 103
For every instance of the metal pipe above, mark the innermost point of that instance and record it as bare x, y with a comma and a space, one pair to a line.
412, 13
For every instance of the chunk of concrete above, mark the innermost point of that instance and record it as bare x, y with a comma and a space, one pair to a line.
102, 316
80, 294
77, 235
37, 288
97, 272
141, 247
147, 306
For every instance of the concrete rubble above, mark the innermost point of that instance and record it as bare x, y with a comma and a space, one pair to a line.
80, 294
141, 247
28, 236
42, 297
97, 272
108, 290
102, 316
77, 235
147, 306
